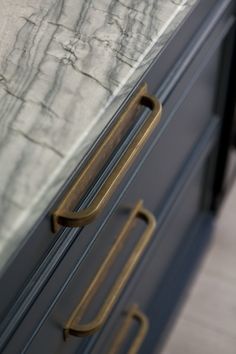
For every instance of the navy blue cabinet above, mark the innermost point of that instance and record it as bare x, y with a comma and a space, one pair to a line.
129, 267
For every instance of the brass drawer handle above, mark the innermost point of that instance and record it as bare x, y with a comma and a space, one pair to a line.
63, 216
134, 313
74, 326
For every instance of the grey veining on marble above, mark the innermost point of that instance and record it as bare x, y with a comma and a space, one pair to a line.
65, 67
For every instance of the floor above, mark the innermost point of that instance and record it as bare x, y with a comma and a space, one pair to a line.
207, 323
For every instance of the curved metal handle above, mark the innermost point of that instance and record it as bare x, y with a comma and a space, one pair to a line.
134, 313
73, 325
63, 216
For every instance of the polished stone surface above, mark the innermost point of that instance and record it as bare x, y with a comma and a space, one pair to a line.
65, 67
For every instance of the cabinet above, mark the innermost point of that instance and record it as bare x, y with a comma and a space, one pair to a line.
129, 266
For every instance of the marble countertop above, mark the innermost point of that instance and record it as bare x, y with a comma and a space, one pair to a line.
65, 68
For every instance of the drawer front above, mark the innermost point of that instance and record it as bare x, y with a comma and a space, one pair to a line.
96, 286
177, 231
188, 120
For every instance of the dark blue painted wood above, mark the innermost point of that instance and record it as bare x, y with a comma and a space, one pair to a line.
83, 272
228, 131
167, 300
170, 241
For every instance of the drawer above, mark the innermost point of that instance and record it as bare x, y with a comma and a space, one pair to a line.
140, 310
96, 286
183, 124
